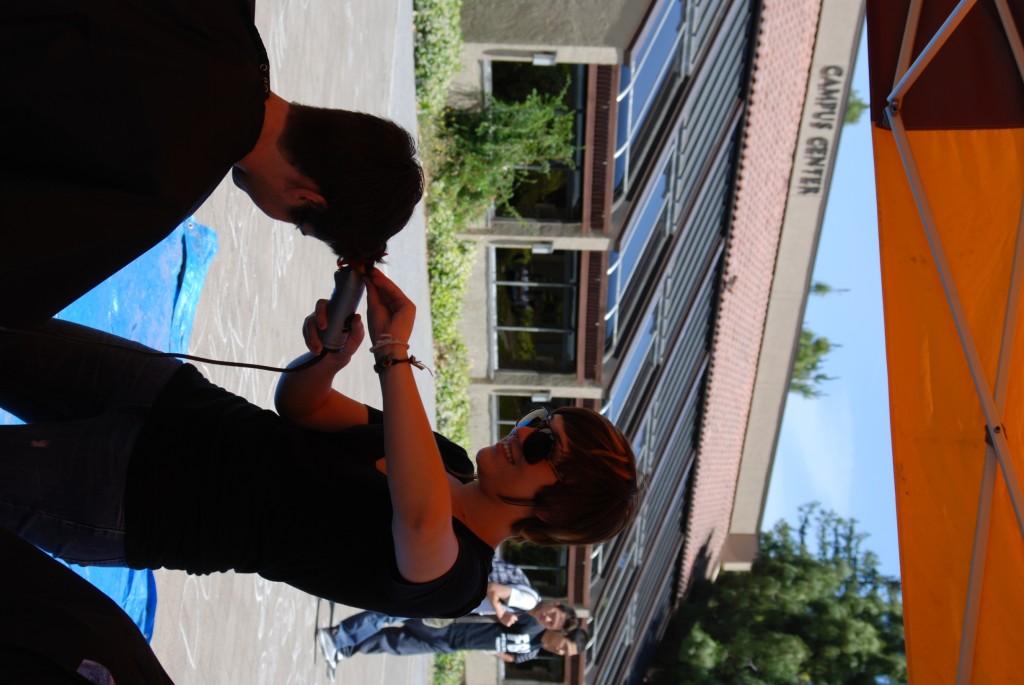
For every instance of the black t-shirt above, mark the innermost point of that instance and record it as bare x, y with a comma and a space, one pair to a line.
522, 639
216, 483
120, 119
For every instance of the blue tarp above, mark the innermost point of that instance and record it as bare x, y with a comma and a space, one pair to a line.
153, 301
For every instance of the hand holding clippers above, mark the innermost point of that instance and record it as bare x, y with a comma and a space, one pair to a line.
348, 291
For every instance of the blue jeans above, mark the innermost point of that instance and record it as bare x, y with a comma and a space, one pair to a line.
359, 627
63, 475
412, 637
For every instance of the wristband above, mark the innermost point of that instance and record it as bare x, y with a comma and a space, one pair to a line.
384, 343
387, 361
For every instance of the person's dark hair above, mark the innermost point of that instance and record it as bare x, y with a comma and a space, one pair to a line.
579, 637
364, 166
571, 620
596, 493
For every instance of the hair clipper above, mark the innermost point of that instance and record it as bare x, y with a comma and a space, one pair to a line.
348, 290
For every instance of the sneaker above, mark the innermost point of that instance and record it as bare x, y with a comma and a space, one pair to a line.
325, 636
332, 671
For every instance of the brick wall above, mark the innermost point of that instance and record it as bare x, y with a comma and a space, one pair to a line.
784, 47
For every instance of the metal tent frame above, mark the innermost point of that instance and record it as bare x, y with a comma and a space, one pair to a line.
992, 398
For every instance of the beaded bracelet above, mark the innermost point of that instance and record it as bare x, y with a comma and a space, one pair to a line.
385, 340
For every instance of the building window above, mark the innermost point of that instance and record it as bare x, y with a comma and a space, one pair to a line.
546, 567
611, 317
639, 442
556, 195
633, 372
535, 301
638, 251
651, 221
597, 561
546, 668
597, 636
654, 66
548, 571
511, 408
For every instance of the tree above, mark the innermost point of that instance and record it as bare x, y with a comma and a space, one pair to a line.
822, 288
855, 106
813, 609
810, 354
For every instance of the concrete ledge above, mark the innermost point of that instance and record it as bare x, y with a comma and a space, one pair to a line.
739, 552
529, 382
525, 233
562, 54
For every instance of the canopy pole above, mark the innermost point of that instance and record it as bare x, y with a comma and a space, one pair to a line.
979, 553
1010, 316
972, 607
907, 46
993, 418
993, 405
930, 50
1012, 35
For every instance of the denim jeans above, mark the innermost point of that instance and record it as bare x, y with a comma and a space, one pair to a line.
412, 637
84, 400
359, 627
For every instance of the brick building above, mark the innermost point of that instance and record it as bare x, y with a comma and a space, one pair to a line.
661, 280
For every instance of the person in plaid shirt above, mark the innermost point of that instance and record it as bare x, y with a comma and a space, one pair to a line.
508, 594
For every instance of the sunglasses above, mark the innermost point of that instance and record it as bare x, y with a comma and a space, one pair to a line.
541, 443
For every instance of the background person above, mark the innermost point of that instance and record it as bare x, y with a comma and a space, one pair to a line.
516, 643
140, 461
509, 592
124, 116
504, 601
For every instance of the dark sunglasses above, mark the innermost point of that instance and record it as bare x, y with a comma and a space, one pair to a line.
541, 443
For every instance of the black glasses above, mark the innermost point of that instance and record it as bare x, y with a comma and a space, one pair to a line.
540, 444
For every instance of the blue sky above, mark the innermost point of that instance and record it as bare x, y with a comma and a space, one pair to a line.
836, 449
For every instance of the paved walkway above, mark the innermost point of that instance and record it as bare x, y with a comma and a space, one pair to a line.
356, 54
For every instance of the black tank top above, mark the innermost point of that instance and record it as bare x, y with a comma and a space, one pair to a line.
216, 483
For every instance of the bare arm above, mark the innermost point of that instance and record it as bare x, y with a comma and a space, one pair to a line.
306, 397
425, 543
497, 595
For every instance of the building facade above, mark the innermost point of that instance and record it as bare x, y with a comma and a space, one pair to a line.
607, 285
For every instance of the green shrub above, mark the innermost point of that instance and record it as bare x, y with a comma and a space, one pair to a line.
476, 157
491, 148
473, 160
438, 45
449, 669
449, 263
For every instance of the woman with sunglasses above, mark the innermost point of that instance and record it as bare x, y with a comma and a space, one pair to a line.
143, 462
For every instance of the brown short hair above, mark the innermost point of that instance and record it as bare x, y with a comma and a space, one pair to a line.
365, 168
596, 493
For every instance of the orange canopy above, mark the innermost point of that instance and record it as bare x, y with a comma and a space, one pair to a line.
947, 92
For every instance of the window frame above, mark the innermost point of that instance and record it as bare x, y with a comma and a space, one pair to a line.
495, 328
